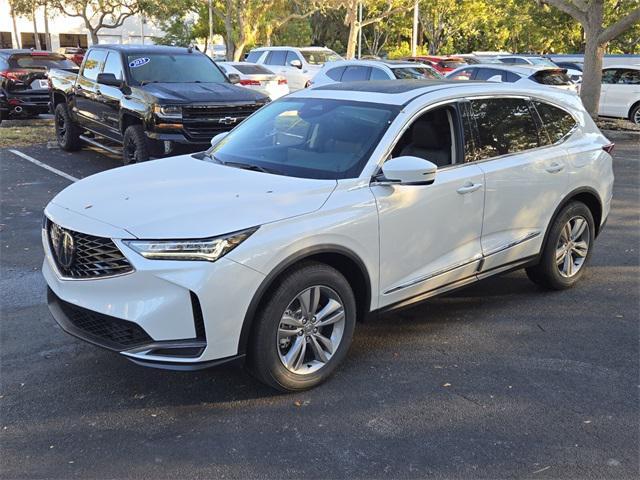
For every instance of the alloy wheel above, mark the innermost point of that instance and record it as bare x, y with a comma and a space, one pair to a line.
573, 246
636, 117
310, 330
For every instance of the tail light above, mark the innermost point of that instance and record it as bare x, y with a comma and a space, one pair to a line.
247, 82
14, 75
282, 81
609, 148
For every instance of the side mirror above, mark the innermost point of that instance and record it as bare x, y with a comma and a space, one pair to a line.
296, 63
408, 170
495, 78
218, 138
109, 79
234, 78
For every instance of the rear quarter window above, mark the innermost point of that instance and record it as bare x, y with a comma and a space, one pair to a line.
335, 73
557, 122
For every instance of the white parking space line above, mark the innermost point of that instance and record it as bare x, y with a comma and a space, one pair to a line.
44, 165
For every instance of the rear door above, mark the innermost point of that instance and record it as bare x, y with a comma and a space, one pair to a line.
525, 178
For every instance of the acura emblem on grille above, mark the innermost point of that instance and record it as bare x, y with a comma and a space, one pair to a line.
228, 120
65, 249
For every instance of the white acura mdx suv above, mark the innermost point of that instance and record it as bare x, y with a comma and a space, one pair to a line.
320, 208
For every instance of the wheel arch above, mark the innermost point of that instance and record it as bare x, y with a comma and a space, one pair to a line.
586, 195
127, 119
342, 259
57, 98
631, 108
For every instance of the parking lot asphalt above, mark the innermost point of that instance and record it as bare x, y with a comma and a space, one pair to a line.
498, 380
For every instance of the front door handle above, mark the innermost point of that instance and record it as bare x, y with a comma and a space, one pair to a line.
469, 187
555, 168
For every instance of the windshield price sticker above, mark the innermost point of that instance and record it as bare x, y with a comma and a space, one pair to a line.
138, 62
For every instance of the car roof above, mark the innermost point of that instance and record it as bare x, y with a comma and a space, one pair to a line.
632, 66
302, 49
21, 51
371, 63
521, 69
145, 48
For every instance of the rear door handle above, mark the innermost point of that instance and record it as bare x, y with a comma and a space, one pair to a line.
555, 168
469, 187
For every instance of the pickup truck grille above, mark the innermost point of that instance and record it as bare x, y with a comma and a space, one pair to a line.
203, 122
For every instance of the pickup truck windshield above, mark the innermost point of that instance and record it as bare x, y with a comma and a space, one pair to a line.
180, 68
307, 138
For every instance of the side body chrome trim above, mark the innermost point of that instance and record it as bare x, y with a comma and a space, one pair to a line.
509, 245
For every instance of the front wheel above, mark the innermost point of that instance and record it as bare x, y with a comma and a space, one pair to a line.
634, 115
135, 145
567, 249
304, 330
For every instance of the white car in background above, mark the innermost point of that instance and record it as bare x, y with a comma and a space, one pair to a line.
326, 205
522, 75
298, 65
574, 74
256, 77
620, 92
358, 70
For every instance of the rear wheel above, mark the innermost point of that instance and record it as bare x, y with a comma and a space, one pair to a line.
135, 146
634, 115
567, 249
304, 329
67, 131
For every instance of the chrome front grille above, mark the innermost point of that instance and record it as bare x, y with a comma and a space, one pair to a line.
201, 122
82, 256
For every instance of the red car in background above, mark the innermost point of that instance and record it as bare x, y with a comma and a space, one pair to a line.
443, 64
75, 54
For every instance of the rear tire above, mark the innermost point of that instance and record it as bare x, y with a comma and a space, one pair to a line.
567, 249
634, 114
304, 329
67, 131
135, 145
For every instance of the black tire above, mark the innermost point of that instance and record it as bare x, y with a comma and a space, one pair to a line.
67, 131
135, 145
634, 114
265, 348
548, 272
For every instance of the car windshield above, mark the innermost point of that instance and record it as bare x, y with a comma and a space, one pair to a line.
45, 61
320, 57
307, 138
541, 61
419, 73
176, 68
453, 63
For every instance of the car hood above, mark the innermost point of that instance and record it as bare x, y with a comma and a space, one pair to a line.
200, 92
184, 197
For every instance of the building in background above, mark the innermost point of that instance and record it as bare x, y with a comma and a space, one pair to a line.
70, 31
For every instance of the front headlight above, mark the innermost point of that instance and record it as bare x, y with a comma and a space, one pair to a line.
209, 249
172, 112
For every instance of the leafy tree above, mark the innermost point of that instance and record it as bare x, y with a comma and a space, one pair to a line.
599, 30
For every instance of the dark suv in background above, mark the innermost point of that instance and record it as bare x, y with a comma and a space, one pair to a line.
145, 100
24, 88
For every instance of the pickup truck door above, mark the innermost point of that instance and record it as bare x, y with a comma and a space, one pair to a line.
108, 99
86, 89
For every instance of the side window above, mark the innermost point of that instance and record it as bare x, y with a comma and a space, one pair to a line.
254, 56
468, 132
508, 60
629, 77
466, 74
505, 125
114, 65
511, 77
610, 76
291, 56
355, 73
276, 57
487, 73
336, 73
556, 121
378, 74
93, 64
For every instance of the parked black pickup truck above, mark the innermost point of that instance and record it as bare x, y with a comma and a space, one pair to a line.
146, 99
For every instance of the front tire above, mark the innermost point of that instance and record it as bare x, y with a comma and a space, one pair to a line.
634, 114
567, 249
67, 131
135, 145
304, 330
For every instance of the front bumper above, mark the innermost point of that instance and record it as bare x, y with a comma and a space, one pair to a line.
167, 314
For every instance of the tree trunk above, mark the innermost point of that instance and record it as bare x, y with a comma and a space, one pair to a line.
592, 73
94, 36
15, 28
36, 37
352, 21
238, 49
47, 35
228, 28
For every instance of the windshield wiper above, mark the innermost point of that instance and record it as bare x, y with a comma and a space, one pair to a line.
249, 166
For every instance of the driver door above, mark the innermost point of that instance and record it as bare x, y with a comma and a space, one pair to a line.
430, 234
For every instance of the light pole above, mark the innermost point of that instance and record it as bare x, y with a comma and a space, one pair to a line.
211, 27
359, 30
414, 33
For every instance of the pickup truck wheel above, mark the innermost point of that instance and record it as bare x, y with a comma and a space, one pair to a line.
135, 145
67, 131
303, 329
